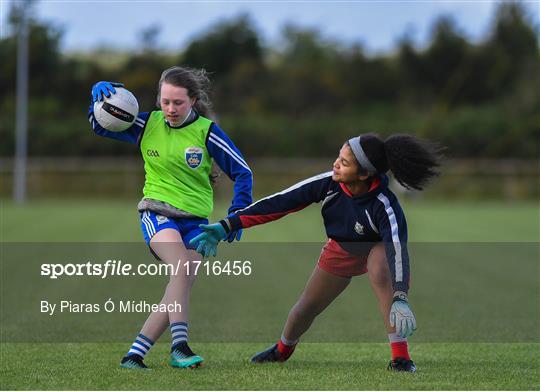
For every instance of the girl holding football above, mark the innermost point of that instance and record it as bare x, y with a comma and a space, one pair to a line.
178, 143
366, 229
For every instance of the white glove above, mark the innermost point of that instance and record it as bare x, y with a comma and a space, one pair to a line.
402, 318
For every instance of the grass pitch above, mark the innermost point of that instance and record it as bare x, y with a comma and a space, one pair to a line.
460, 362
118, 221
315, 366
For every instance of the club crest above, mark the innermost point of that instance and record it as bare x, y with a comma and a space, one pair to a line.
194, 156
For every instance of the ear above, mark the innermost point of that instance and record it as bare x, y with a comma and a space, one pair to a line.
364, 177
193, 101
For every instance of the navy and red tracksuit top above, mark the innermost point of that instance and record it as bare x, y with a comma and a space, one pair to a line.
361, 220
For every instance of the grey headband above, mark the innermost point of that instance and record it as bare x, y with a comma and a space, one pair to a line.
360, 155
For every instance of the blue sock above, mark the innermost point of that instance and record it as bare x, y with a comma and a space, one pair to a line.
140, 346
179, 332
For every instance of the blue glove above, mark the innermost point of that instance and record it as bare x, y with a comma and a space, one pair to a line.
100, 90
234, 235
209, 239
402, 317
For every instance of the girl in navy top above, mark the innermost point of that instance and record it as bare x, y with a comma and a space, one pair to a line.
366, 229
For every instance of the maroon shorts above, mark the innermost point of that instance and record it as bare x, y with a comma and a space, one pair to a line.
337, 261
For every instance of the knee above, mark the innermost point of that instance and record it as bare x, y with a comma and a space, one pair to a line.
183, 276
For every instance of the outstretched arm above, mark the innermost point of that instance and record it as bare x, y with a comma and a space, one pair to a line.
276, 206
268, 209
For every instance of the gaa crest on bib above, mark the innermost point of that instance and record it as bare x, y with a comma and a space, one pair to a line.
194, 156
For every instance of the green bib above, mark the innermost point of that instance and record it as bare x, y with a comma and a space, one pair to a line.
177, 164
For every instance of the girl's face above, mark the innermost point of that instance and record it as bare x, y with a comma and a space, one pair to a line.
175, 103
345, 168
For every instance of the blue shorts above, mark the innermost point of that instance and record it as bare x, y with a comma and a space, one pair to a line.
188, 228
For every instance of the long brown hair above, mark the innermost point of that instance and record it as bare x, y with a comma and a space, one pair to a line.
195, 81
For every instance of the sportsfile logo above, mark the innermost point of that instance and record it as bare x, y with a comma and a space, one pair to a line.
118, 268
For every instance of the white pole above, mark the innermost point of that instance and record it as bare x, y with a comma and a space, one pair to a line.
19, 174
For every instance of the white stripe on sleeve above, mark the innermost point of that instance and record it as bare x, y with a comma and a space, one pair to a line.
371, 222
395, 235
229, 151
292, 188
224, 144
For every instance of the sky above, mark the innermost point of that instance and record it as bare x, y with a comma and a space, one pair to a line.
375, 24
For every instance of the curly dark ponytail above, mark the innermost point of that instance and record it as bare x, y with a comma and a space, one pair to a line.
413, 161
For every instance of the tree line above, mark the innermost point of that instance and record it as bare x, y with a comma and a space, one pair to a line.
479, 99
